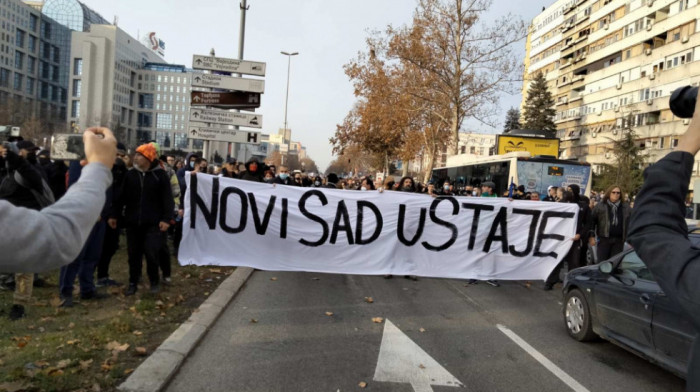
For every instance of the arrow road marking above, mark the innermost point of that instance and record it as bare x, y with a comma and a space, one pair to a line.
568, 380
401, 360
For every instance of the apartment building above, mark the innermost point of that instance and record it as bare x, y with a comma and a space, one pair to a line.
612, 65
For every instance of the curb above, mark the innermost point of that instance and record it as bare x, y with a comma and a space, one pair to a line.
157, 370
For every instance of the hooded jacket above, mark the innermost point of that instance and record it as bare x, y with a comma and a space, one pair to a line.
181, 173
257, 175
145, 197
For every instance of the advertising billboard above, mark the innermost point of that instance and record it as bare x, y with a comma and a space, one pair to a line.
533, 145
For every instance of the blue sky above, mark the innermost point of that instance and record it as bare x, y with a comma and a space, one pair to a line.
327, 34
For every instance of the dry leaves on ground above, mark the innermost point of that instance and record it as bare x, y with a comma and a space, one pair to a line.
273, 279
72, 342
116, 346
85, 365
377, 320
329, 314
362, 384
141, 351
369, 300
253, 320
137, 333
421, 330
421, 366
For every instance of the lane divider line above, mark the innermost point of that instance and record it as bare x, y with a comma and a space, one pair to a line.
556, 370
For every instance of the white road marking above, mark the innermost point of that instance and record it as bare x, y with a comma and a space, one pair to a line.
402, 360
568, 380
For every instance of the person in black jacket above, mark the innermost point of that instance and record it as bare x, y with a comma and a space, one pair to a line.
254, 171
659, 234
147, 202
283, 177
573, 258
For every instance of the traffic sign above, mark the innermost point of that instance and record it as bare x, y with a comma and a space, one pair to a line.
228, 83
225, 117
228, 65
233, 99
224, 135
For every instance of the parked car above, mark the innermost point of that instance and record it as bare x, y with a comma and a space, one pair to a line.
618, 300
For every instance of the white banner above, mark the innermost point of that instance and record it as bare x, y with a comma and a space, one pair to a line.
285, 228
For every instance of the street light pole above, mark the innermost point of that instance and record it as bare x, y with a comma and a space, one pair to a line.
286, 99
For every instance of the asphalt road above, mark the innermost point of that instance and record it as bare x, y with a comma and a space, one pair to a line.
469, 330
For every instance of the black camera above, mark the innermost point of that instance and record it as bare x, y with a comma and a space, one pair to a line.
683, 101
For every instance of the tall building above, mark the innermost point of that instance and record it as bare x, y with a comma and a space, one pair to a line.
108, 87
34, 53
163, 105
612, 65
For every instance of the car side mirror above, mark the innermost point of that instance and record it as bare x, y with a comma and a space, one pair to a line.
605, 267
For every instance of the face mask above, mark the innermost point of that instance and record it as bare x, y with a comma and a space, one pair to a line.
284, 176
364, 188
317, 183
191, 164
447, 187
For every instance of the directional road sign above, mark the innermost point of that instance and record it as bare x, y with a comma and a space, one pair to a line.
225, 117
224, 135
228, 65
228, 83
233, 99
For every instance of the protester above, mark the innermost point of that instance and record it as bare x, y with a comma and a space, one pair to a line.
58, 232
230, 169
407, 185
560, 194
551, 193
609, 224
110, 243
178, 212
23, 185
253, 171
148, 205
659, 234
283, 177
85, 264
331, 180
446, 189
55, 173
366, 185
573, 257
204, 165
488, 189
534, 196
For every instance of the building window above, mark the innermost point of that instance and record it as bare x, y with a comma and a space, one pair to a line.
77, 67
31, 64
19, 60
45, 30
32, 44
19, 38
164, 121
30, 86
33, 20
77, 87
18, 81
75, 109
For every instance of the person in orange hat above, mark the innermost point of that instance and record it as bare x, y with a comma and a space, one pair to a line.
145, 204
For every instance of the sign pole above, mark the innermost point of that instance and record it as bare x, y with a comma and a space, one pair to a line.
241, 42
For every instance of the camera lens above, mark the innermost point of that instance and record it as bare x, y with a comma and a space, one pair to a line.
683, 100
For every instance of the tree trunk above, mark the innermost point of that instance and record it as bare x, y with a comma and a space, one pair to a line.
454, 128
429, 167
404, 169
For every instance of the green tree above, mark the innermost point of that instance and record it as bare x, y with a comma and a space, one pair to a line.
512, 120
628, 167
539, 107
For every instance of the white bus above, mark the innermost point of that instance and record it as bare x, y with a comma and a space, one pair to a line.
534, 173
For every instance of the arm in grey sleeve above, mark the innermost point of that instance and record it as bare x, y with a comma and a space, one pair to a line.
36, 241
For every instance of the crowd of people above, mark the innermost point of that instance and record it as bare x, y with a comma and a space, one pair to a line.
145, 202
